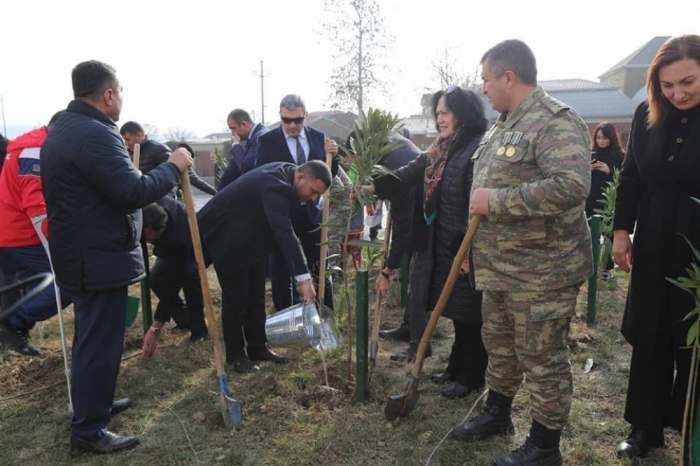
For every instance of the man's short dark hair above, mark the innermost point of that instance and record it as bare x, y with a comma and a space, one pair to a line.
92, 78
54, 119
513, 55
154, 217
131, 127
239, 115
317, 170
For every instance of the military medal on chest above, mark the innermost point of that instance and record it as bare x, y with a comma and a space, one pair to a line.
509, 141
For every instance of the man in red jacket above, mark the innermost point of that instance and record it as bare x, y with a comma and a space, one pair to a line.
22, 210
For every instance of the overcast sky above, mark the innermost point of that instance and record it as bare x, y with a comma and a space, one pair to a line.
187, 64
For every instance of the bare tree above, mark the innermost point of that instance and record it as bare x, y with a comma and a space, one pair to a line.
151, 131
360, 40
176, 133
448, 71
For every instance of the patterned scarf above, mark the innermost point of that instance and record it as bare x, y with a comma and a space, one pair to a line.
438, 154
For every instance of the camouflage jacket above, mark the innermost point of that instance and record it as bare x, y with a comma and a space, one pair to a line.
536, 161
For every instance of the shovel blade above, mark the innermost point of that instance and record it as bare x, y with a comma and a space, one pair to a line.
401, 405
231, 410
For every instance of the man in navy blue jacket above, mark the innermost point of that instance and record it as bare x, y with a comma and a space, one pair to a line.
293, 142
240, 226
242, 159
94, 196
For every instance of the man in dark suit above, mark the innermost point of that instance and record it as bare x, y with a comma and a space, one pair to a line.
293, 142
165, 226
240, 226
94, 196
242, 159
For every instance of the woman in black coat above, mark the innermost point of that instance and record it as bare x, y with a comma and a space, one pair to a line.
606, 157
445, 175
660, 176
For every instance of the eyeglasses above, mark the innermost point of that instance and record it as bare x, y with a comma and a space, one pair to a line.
451, 89
289, 121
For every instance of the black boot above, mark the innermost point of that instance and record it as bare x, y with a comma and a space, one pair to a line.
639, 442
494, 419
401, 333
409, 354
541, 448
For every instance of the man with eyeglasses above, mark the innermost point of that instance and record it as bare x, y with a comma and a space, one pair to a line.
295, 143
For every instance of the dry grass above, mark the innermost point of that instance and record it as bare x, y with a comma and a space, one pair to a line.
289, 420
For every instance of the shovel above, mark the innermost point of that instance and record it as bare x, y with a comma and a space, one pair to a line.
231, 409
377, 312
328, 337
402, 405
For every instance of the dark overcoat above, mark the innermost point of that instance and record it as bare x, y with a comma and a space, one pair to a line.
659, 178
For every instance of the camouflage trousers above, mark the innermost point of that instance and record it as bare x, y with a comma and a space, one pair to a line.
525, 334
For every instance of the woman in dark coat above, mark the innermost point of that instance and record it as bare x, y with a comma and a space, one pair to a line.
445, 174
606, 157
660, 176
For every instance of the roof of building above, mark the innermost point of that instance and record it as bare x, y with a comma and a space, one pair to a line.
640, 57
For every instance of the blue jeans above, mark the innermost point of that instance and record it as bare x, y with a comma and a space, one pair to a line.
28, 261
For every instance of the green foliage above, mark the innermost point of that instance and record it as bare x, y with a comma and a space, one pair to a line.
691, 284
220, 166
606, 214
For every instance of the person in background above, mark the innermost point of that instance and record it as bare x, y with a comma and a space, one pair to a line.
244, 131
22, 220
445, 173
292, 142
606, 157
7, 270
655, 202
165, 226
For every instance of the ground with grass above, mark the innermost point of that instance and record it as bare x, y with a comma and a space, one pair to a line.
291, 419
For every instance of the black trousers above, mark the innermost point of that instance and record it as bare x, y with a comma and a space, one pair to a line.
468, 359
168, 276
8, 276
284, 294
243, 311
658, 381
100, 323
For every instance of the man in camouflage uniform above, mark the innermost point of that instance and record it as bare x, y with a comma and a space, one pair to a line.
532, 252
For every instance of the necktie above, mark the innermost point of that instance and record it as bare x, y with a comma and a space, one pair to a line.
301, 156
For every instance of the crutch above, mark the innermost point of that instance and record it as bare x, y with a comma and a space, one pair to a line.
37, 221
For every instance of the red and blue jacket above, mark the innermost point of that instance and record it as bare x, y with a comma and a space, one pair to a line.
21, 196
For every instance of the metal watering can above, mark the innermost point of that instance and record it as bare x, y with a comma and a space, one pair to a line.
300, 326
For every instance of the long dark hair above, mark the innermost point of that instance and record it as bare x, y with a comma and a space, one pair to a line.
468, 110
610, 132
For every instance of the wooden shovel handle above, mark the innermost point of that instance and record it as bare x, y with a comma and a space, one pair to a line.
324, 246
201, 267
445, 294
137, 155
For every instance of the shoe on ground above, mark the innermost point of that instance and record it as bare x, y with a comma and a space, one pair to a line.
17, 340
119, 406
541, 448
639, 443
106, 442
456, 391
244, 366
409, 354
494, 419
401, 333
607, 276
442, 377
267, 355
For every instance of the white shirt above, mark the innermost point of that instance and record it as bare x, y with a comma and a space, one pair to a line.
292, 144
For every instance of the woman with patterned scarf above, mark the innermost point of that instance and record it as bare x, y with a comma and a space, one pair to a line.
445, 174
